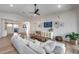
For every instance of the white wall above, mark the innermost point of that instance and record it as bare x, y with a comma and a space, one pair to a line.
77, 14
68, 18
70, 23
2, 27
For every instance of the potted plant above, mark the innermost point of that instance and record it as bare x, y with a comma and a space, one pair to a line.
50, 29
73, 37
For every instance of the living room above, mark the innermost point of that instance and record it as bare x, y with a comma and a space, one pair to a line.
40, 24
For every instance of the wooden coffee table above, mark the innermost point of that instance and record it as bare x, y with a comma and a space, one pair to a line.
40, 38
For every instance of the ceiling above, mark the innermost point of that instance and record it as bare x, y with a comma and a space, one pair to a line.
44, 9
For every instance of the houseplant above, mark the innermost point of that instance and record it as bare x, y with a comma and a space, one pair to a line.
50, 29
73, 37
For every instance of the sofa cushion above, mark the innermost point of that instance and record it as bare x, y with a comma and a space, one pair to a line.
37, 48
42, 44
57, 50
37, 42
49, 47
26, 41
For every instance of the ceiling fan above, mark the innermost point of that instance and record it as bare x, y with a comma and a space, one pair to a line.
35, 10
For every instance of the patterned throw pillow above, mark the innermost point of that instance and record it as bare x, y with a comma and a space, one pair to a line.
57, 50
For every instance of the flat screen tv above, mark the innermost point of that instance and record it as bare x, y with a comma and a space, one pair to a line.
47, 24
16, 30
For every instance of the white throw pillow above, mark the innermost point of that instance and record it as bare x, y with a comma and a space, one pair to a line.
45, 43
37, 42
58, 50
26, 41
49, 47
38, 49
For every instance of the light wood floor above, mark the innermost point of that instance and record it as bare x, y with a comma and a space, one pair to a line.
6, 46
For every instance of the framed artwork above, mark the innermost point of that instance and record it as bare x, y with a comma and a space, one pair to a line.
16, 30
57, 24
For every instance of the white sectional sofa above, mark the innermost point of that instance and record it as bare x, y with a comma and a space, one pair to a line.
22, 47
29, 46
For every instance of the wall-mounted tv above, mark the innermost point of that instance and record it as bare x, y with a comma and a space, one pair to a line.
47, 24
16, 30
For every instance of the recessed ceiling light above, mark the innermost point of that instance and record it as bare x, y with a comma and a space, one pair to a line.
11, 5
59, 6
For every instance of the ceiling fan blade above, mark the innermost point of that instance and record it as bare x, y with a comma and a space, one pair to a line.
37, 13
36, 10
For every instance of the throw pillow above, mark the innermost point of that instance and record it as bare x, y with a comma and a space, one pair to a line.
49, 47
38, 49
57, 50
